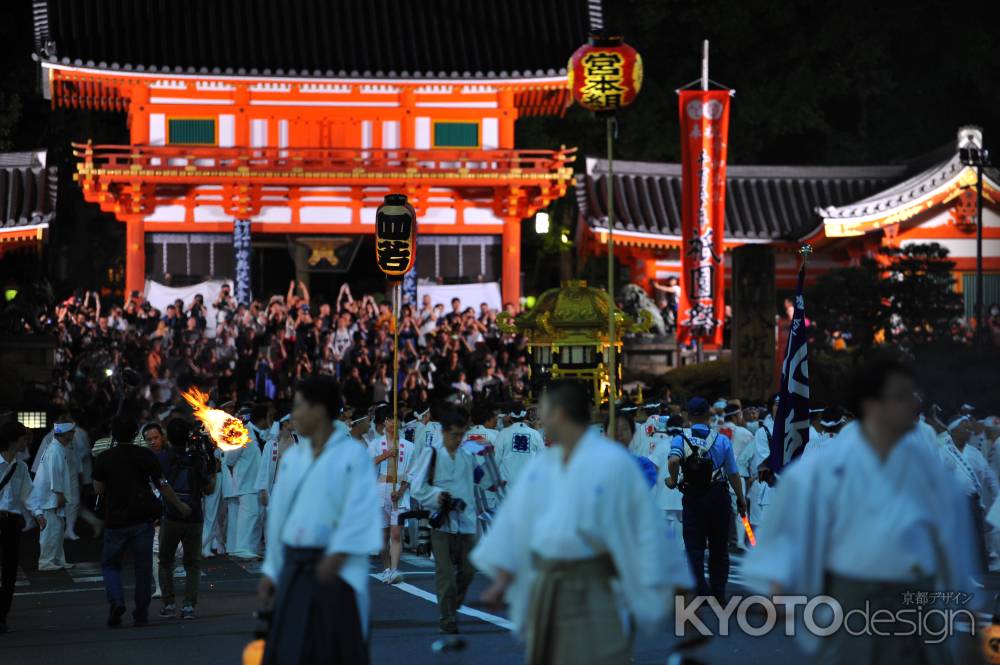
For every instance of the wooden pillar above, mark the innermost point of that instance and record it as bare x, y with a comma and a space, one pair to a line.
753, 349
508, 115
135, 255
510, 283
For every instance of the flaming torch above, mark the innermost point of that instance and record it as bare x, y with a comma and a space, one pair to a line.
750, 536
227, 432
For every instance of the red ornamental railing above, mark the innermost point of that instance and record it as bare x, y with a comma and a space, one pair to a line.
278, 162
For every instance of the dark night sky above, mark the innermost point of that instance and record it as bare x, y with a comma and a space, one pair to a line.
817, 81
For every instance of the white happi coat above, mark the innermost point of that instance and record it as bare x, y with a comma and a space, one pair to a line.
595, 503
639, 445
81, 446
336, 509
239, 470
666, 499
482, 434
54, 475
515, 447
847, 512
404, 464
269, 460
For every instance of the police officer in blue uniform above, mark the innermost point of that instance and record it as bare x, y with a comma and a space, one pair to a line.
705, 462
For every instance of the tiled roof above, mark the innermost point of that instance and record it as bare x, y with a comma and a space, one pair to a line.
27, 190
762, 202
318, 38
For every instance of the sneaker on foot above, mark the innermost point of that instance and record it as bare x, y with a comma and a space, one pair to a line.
115, 615
169, 611
384, 575
158, 594
394, 577
187, 613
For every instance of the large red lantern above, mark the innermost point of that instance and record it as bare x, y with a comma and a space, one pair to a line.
605, 74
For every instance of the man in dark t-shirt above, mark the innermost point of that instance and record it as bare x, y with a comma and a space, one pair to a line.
124, 477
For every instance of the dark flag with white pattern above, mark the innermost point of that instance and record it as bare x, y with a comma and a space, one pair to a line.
791, 422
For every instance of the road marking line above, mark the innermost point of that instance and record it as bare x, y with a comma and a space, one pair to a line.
50, 593
89, 578
468, 611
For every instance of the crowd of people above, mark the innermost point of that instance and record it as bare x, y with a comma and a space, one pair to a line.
471, 471
256, 352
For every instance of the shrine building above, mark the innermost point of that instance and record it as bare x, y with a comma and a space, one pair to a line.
845, 212
295, 118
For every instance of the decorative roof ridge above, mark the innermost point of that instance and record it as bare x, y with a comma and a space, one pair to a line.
597, 166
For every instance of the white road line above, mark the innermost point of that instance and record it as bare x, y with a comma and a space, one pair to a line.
88, 579
52, 593
468, 611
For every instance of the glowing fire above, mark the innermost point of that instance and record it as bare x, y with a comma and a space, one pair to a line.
227, 432
750, 536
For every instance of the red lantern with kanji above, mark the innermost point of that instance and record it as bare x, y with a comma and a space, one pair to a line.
605, 74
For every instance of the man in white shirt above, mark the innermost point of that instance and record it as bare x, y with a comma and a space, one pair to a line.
516, 445
580, 516
49, 495
394, 492
324, 522
444, 481
865, 521
15, 486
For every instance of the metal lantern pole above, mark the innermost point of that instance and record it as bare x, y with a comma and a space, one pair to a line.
612, 369
397, 288
980, 322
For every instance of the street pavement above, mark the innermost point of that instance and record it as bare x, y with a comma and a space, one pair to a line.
59, 617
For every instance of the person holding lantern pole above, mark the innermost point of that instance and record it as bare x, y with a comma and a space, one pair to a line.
394, 497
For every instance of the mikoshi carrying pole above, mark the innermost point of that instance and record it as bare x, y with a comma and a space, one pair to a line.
605, 75
395, 250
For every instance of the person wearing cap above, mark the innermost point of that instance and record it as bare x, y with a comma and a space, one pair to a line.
80, 459
742, 439
516, 445
394, 494
706, 512
15, 487
50, 492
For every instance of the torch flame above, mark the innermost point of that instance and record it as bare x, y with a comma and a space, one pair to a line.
227, 432
750, 536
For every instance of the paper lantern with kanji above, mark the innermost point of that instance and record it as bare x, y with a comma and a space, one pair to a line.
605, 74
395, 236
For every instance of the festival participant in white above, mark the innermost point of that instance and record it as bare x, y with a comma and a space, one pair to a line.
49, 496
274, 449
324, 522
15, 486
81, 465
239, 489
742, 440
580, 516
867, 521
212, 535
516, 445
645, 422
444, 479
763, 481
394, 494
668, 499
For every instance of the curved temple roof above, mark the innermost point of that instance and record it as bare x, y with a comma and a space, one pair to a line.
763, 203
394, 39
27, 191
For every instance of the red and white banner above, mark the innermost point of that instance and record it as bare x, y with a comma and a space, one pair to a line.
704, 133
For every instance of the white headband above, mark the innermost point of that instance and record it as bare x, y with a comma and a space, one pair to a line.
62, 428
953, 425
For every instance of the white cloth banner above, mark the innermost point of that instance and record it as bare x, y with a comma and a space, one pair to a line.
161, 295
471, 295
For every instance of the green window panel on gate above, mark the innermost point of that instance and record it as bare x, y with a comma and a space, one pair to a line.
456, 134
191, 131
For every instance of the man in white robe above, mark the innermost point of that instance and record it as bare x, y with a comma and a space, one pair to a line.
275, 447
324, 522
212, 534
50, 492
515, 447
872, 516
743, 448
580, 515
668, 500
239, 480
